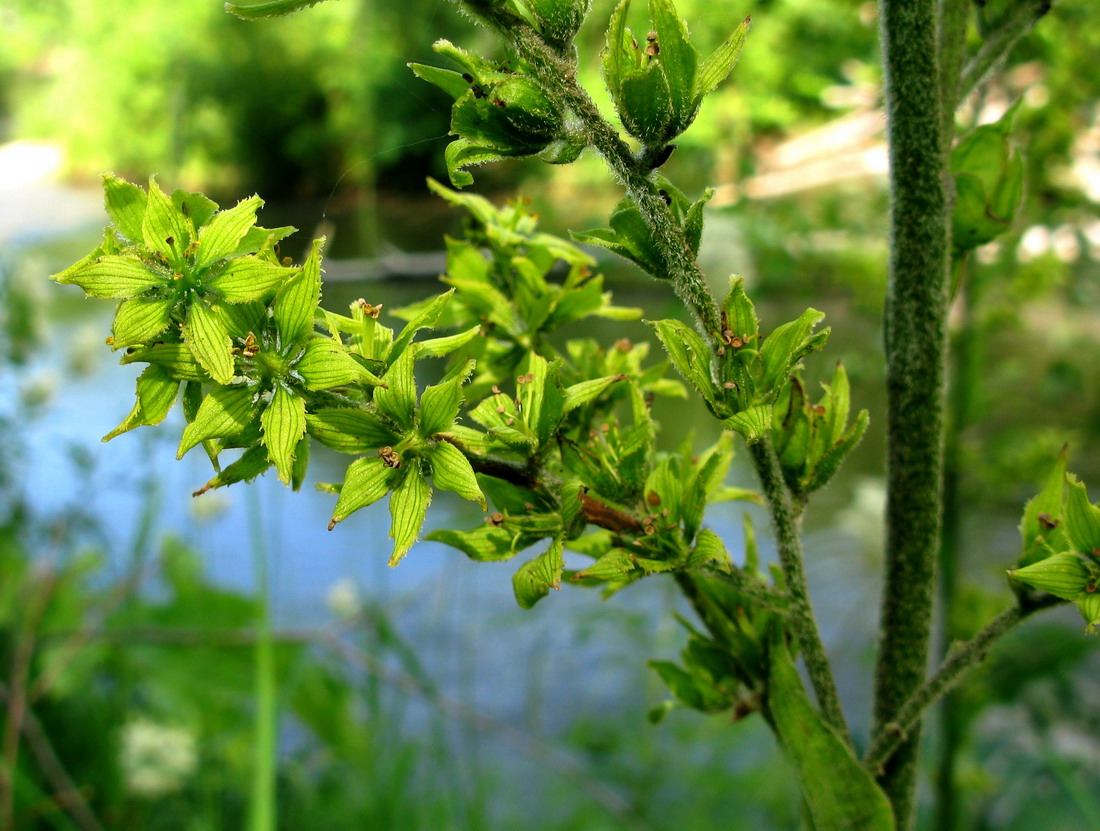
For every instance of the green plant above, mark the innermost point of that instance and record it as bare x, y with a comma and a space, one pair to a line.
564, 453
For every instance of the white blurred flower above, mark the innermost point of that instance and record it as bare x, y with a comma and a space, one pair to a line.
156, 759
343, 599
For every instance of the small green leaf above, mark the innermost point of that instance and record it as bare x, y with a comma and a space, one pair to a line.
273, 8
297, 300
249, 278
428, 317
242, 318
111, 277
692, 690
283, 422
1048, 503
397, 398
207, 335
693, 221
614, 565
694, 501
451, 471
260, 239
536, 577
156, 393
840, 794
1064, 575
709, 549
408, 507
717, 67
252, 463
1082, 519
350, 431
829, 463
785, 346
1089, 607
225, 412
486, 543
450, 82
326, 364
584, 392
439, 406
194, 206
752, 423
125, 204
164, 227
221, 236
139, 320
175, 358
740, 312
437, 347
366, 481
678, 60
689, 354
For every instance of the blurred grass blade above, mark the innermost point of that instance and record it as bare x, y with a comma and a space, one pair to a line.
261, 803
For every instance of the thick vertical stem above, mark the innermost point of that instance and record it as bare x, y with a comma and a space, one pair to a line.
915, 350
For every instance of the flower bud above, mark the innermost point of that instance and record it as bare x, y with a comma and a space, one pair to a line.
559, 20
989, 173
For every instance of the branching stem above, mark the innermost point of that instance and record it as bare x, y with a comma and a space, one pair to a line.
559, 79
962, 658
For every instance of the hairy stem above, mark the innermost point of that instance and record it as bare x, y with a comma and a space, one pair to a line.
954, 16
962, 658
789, 543
915, 352
558, 78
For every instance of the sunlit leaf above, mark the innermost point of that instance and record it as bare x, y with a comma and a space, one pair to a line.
537, 577
326, 364
220, 237
366, 481
297, 300
164, 227
118, 276
249, 278
125, 204
207, 335
718, 65
156, 393
451, 471
252, 463
397, 398
350, 431
139, 320
283, 422
225, 412
408, 507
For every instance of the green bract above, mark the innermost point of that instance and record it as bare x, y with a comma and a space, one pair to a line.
989, 182
657, 83
179, 265
497, 113
739, 380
